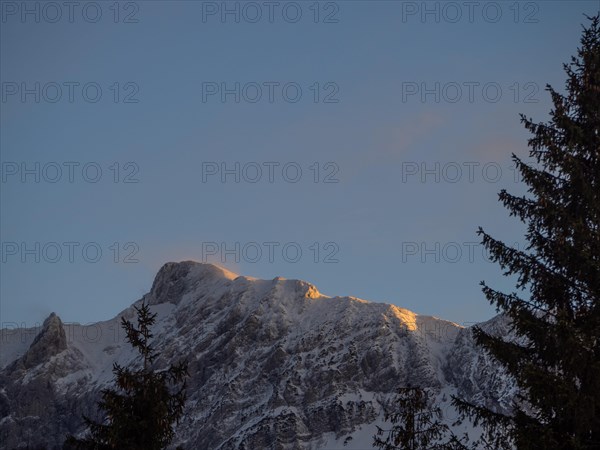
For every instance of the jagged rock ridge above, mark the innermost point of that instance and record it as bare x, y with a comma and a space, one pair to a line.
273, 364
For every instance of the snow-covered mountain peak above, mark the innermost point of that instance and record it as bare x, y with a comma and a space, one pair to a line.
273, 364
50, 341
174, 278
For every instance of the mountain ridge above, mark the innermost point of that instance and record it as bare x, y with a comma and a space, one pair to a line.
274, 364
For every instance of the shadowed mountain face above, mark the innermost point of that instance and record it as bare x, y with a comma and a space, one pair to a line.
273, 364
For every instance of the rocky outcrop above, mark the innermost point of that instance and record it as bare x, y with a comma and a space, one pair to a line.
475, 373
29, 403
50, 342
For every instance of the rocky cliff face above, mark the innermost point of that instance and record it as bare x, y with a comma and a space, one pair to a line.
273, 364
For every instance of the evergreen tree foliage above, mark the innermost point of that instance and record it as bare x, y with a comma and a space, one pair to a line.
139, 413
416, 424
555, 311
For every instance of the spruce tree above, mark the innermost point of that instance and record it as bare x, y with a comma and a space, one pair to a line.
555, 310
138, 414
416, 424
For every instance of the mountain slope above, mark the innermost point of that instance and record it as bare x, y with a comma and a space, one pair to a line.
273, 364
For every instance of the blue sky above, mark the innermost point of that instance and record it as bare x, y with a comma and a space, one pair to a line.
396, 98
